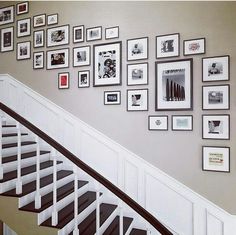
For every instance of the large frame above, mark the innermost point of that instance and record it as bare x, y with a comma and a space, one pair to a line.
24, 27
38, 60
81, 56
137, 74
58, 36
23, 50
7, 39
174, 85
57, 59
137, 100
158, 123
137, 49
6, 15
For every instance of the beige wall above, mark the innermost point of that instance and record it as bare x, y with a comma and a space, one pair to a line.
176, 153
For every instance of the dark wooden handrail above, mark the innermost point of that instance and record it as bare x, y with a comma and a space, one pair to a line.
119, 193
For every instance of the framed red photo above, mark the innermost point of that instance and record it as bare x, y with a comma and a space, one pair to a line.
22, 8
63, 80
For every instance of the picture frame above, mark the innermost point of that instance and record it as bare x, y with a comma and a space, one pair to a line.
174, 85
7, 15
81, 56
107, 64
182, 122
24, 27
158, 123
38, 60
112, 32
93, 34
23, 50
137, 49
84, 79
7, 39
39, 20
216, 68
137, 100
52, 19
167, 45
216, 127
58, 36
39, 38
216, 159
112, 97
195, 46
216, 97
78, 34
63, 80
137, 74
57, 59
22, 8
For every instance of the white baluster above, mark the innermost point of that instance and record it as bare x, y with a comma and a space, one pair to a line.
19, 181
121, 218
98, 209
76, 212
148, 228
1, 167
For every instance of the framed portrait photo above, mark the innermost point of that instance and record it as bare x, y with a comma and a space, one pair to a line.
63, 80
174, 85
39, 38
137, 49
52, 19
107, 64
6, 15
112, 32
39, 20
57, 59
83, 79
182, 122
216, 159
137, 74
158, 123
195, 46
58, 36
38, 60
137, 100
112, 97
22, 8
167, 45
78, 34
94, 33
81, 56
23, 50
216, 127
24, 27
215, 68
7, 39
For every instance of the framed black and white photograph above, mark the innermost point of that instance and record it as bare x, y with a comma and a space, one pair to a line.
158, 123
83, 79
137, 100
7, 39
137, 74
216, 127
195, 46
38, 60
215, 97
23, 27
64, 80
39, 38
216, 159
174, 85
215, 68
52, 19
137, 49
81, 56
23, 50
57, 59
107, 64
58, 36
39, 20
112, 97
94, 33
22, 8
6, 15
78, 34
182, 122
112, 32
167, 45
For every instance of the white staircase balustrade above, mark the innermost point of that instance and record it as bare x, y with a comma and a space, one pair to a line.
19, 181
37, 196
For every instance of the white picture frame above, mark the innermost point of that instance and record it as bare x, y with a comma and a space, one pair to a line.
81, 56
194, 46
84, 79
137, 49
52, 19
39, 20
23, 27
93, 34
57, 59
39, 38
78, 34
7, 39
6, 15
38, 60
158, 123
137, 74
23, 50
58, 36
137, 100
112, 32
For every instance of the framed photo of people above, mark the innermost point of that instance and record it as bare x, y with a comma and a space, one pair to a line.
81, 56
38, 60
78, 34
7, 39
39, 38
158, 123
58, 36
137, 49
23, 50
57, 59
137, 74
195, 46
22, 8
24, 27
6, 15
137, 100
83, 79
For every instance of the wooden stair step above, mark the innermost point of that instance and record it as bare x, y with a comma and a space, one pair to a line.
12, 135
135, 231
24, 143
5, 126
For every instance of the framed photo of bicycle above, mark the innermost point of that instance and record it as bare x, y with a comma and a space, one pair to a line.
107, 64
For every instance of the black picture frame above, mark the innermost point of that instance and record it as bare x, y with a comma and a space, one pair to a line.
108, 37
28, 31
37, 25
188, 128
66, 55
4, 41
22, 4
197, 49
81, 27
55, 21
85, 84
86, 55
113, 101
42, 38
35, 63
12, 18
158, 122
94, 38
22, 55
60, 87
132, 104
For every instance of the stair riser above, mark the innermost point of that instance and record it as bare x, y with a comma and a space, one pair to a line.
13, 139
9, 130
13, 151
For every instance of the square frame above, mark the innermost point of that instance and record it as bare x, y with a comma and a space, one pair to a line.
38, 38
112, 32
23, 50
137, 100
22, 8
195, 46
52, 19
63, 80
84, 79
38, 60
158, 123
112, 97
7, 39
182, 122
7, 14
78, 34
137, 74
24, 27
95, 33
137, 49
39, 20
81, 56
58, 59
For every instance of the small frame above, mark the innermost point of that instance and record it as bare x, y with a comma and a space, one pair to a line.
158, 123
215, 68
107, 64
137, 74
7, 39
195, 46
112, 97
38, 60
52, 19
83, 79
215, 97
58, 36
174, 85
78, 34
137, 100
94, 33
39, 38
23, 50
23, 27
6, 15
137, 49
39, 20
63, 80
182, 123
112, 32
167, 46
216, 127
57, 59
22, 8
81, 56
216, 159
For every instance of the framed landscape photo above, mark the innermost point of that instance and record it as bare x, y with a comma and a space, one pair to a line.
63, 80
111, 97
81, 56
39, 38
23, 50
7, 39
174, 85
107, 64
137, 74
158, 123
38, 60
182, 122
137, 100
22, 8
167, 45
215, 97
94, 33
216, 127
112, 32
216, 159
23, 27
39, 20
137, 49
58, 36
6, 15
57, 59
52, 19
195, 46
83, 79
78, 34
215, 68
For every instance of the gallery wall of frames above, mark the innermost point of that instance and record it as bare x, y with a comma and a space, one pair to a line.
173, 76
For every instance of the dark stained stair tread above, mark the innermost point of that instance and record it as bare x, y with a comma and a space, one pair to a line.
13, 135
5, 126
11, 145
138, 232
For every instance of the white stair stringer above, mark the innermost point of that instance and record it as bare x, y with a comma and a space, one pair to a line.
6, 152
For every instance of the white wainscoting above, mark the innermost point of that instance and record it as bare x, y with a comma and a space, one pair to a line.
177, 206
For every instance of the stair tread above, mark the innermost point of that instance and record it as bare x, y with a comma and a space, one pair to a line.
5, 126
12, 135
136, 231
23, 143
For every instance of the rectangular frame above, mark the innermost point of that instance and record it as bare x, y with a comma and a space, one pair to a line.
112, 32
52, 19
7, 15
158, 123
63, 80
38, 60
38, 38
137, 49
81, 56
182, 122
137, 100
137, 74
84, 79
23, 50
59, 60
7, 39
39, 20
94, 33
24, 27
112, 97
22, 8
78, 34
195, 46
